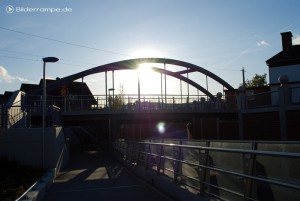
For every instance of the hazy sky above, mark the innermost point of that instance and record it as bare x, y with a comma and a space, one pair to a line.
220, 35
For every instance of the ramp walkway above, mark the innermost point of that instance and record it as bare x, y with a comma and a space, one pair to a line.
93, 174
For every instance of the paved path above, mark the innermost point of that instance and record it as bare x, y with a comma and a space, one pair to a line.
94, 175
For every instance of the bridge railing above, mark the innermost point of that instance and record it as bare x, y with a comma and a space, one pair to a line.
130, 102
220, 169
263, 99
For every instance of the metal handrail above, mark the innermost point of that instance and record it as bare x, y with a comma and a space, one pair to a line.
130, 151
25, 193
242, 151
228, 172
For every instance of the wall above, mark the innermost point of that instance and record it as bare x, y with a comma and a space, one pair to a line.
25, 145
291, 71
261, 126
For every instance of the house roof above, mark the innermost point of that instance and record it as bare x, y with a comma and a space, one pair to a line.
283, 59
73, 88
5, 97
28, 88
290, 54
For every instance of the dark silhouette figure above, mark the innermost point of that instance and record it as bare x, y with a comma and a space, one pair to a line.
263, 189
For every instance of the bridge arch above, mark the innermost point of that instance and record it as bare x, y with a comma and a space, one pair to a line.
133, 64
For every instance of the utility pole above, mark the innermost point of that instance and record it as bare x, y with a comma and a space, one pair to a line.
243, 73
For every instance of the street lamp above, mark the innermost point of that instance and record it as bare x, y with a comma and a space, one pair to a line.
45, 60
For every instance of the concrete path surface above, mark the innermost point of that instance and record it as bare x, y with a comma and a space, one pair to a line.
94, 175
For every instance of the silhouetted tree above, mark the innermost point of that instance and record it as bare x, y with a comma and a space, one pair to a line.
257, 81
119, 99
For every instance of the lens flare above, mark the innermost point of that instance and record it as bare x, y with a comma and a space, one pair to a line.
161, 127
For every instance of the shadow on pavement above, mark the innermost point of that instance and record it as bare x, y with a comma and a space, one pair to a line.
93, 174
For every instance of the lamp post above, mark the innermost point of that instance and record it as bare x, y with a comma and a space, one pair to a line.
45, 60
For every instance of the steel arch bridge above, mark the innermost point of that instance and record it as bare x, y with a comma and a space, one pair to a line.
133, 64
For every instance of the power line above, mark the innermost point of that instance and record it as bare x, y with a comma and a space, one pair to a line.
41, 56
67, 43
10, 57
39, 60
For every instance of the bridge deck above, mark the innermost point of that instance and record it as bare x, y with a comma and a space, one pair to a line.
93, 175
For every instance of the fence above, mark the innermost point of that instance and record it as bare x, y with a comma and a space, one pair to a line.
223, 170
128, 102
29, 116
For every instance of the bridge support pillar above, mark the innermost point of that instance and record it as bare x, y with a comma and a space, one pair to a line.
112, 126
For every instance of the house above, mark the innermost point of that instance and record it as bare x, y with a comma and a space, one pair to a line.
286, 62
72, 96
28, 100
5, 97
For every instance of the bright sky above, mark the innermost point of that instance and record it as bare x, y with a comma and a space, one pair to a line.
220, 35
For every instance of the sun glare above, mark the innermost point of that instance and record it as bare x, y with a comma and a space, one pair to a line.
150, 80
161, 127
145, 68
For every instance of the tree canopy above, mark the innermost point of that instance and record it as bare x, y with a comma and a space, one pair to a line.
257, 81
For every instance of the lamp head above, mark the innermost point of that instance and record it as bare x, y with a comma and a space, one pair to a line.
50, 59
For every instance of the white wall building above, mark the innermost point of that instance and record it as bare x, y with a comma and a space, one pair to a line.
286, 62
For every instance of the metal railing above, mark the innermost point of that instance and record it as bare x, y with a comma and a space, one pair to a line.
223, 170
129, 102
263, 99
29, 116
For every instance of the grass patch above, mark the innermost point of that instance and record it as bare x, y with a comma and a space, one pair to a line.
15, 178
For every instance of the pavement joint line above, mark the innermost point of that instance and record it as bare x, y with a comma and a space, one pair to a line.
93, 189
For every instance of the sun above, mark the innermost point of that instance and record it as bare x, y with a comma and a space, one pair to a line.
149, 80
145, 68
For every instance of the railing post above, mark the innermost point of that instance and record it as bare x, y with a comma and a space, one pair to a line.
178, 164
161, 161
132, 153
173, 103
204, 171
219, 100
251, 164
148, 152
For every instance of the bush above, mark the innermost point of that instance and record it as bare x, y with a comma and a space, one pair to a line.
15, 178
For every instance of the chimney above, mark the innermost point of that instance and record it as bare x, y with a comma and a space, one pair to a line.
286, 42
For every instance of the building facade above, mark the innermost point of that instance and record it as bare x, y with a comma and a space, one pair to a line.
285, 63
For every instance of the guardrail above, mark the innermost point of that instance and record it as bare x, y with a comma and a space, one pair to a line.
223, 170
